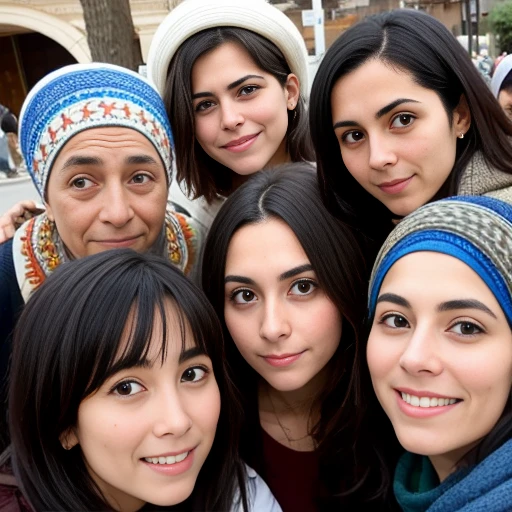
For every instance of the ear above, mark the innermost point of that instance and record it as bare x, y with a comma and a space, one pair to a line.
292, 91
68, 439
461, 117
49, 211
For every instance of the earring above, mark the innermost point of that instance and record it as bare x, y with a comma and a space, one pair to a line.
291, 106
461, 135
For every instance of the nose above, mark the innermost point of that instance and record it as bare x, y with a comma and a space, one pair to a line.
231, 115
171, 417
275, 325
382, 153
422, 355
115, 208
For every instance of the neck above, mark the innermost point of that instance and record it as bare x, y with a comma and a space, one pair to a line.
447, 463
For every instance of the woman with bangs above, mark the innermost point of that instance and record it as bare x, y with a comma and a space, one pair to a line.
288, 281
115, 396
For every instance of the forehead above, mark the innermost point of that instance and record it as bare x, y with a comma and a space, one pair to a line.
435, 276
373, 85
269, 247
226, 63
108, 137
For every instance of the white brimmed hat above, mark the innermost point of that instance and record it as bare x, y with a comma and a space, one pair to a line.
193, 16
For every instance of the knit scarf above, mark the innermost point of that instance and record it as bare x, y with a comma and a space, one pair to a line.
38, 249
485, 487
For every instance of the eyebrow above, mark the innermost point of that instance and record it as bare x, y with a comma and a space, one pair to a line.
295, 271
285, 275
394, 299
191, 353
232, 85
75, 161
382, 112
140, 159
465, 304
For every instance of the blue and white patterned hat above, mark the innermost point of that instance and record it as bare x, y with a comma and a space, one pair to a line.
475, 230
84, 96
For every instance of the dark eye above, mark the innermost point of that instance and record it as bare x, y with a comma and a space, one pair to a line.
140, 179
352, 137
396, 321
81, 183
466, 328
248, 89
193, 374
243, 296
204, 105
302, 288
128, 388
402, 120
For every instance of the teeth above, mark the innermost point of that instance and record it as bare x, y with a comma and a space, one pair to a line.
167, 460
425, 401
181, 457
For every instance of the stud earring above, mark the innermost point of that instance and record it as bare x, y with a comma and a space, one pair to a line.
461, 135
291, 106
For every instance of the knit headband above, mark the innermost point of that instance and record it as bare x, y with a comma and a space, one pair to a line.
84, 96
475, 230
193, 16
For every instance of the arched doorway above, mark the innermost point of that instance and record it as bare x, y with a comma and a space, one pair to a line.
32, 44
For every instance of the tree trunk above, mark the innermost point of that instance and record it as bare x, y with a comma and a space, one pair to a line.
110, 32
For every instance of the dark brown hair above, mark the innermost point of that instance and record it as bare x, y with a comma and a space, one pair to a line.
422, 46
353, 468
203, 175
66, 345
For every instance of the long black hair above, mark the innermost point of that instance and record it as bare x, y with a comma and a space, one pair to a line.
422, 46
203, 175
67, 343
349, 457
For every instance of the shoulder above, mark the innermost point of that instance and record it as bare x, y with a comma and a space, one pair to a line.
258, 494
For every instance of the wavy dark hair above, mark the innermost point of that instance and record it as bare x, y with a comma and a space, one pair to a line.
419, 44
203, 175
353, 467
66, 344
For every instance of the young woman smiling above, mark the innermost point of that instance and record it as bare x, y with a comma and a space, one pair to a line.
400, 116
115, 396
440, 353
287, 279
234, 79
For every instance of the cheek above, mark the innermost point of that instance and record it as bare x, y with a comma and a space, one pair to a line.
241, 328
379, 358
205, 130
327, 324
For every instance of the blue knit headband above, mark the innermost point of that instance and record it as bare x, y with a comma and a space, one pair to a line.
84, 96
475, 230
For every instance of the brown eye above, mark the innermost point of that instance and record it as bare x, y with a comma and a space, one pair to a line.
243, 296
127, 388
396, 321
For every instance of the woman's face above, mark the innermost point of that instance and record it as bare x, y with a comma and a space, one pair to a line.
281, 321
241, 111
394, 135
505, 101
440, 356
107, 190
146, 432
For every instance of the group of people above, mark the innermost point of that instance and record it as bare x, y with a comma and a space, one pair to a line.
246, 294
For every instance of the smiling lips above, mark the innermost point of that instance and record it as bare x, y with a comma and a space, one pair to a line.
241, 144
424, 404
395, 186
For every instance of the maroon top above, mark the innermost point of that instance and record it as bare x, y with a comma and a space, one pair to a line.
291, 475
11, 499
